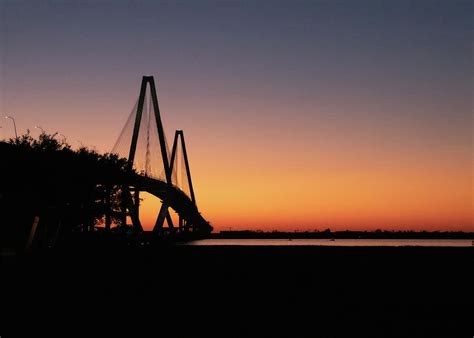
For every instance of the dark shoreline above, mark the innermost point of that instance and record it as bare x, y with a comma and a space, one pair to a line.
295, 291
348, 234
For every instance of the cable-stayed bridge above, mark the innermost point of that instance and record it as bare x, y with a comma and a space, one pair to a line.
163, 173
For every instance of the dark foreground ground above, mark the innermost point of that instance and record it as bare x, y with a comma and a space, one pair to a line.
240, 292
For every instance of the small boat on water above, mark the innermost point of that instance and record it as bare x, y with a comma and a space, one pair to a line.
332, 239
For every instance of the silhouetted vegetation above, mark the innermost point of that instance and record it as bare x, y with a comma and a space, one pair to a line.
65, 189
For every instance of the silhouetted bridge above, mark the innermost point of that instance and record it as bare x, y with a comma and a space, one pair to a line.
160, 172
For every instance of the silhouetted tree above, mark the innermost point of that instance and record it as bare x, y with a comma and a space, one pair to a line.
69, 188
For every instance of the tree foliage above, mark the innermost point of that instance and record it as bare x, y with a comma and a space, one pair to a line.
64, 187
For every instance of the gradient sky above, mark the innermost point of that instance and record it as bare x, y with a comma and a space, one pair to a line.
297, 114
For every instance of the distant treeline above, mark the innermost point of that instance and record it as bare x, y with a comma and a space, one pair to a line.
377, 234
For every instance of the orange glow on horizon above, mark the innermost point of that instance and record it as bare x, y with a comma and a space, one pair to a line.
303, 174
340, 194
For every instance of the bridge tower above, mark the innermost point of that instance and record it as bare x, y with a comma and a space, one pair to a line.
169, 191
133, 203
148, 80
179, 137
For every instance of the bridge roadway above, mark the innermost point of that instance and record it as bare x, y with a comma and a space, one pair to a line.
175, 198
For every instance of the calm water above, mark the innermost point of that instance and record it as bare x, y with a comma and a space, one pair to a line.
338, 242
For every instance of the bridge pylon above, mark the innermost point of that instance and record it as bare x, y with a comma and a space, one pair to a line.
148, 80
154, 174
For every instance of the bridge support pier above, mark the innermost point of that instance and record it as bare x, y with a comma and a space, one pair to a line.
134, 207
108, 218
123, 207
136, 202
161, 216
132, 204
169, 220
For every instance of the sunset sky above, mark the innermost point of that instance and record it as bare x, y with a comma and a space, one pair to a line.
297, 114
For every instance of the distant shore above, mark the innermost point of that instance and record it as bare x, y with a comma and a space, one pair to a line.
327, 234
